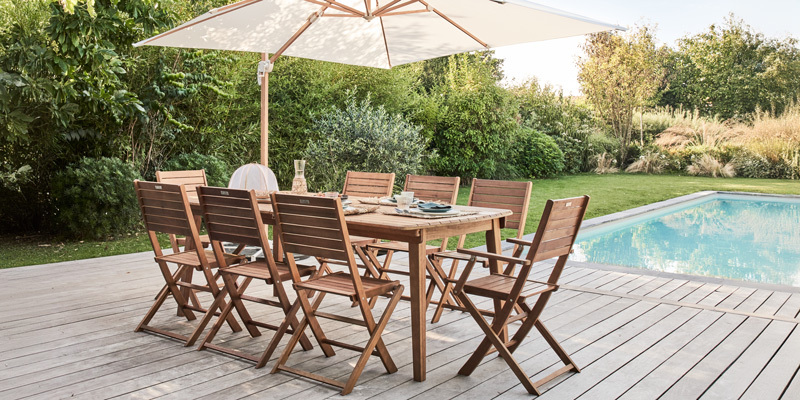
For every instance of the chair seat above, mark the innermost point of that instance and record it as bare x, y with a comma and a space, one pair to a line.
400, 246
204, 241
260, 270
342, 284
498, 286
190, 258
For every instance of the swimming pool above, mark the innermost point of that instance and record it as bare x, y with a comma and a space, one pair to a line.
748, 237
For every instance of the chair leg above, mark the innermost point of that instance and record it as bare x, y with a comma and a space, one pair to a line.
492, 339
176, 294
447, 292
375, 341
308, 320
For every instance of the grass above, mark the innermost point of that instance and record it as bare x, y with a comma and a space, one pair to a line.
610, 193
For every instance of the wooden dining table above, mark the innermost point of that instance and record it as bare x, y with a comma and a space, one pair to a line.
416, 232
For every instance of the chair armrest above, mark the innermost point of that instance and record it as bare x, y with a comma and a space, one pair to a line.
520, 242
492, 256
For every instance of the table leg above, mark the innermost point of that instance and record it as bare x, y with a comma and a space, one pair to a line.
416, 265
493, 245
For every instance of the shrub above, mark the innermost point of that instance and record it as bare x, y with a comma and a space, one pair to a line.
649, 163
600, 143
709, 166
605, 164
95, 198
575, 153
362, 138
538, 155
217, 172
750, 164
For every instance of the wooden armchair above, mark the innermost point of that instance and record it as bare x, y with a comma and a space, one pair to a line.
554, 238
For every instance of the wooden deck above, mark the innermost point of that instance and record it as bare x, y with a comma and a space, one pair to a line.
66, 330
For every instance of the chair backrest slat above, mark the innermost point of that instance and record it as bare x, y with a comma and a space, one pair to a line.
164, 208
433, 188
561, 221
368, 184
511, 195
230, 215
312, 226
191, 179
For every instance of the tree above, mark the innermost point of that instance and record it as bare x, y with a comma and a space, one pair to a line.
619, 74
731, 70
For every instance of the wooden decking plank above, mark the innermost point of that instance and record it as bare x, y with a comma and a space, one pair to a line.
648, 287
595, 371
791, 308
737, 297
773, 303
775, 377
660, 379
496, 372
667, 288
700, 293
590, 345
696, 381
754, 301
736, 379
636, 283
621, 281
684, 290
718, 296
628, 375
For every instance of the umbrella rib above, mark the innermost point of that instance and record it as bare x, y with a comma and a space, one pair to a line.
214, 13
385, 43
446, 18
333, 6
383, 9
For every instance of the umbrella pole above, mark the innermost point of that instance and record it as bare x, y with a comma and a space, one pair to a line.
264, 114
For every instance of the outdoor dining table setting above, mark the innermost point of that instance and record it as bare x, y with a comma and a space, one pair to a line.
351, 231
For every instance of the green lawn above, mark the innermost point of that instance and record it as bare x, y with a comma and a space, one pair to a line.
610, 194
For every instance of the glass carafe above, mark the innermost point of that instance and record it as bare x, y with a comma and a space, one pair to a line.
299, 185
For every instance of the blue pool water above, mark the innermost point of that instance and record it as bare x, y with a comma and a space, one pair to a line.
752, 238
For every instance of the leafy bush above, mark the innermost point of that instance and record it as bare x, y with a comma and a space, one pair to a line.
362, 138
94, 198
709, 166
649, 163
751, 164
576, 153
538, 155
599, 143
217, 172
605, 164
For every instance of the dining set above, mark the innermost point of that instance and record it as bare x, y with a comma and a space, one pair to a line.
342, 250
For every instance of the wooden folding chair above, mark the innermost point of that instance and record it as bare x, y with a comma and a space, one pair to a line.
232, 215
190, 179
512, 195
555, 236
426, 188
363, 184
165, 209
316, 227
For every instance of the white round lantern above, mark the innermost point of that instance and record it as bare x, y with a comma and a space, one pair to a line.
254, 176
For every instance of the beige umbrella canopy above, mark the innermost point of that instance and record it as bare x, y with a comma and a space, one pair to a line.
370, 33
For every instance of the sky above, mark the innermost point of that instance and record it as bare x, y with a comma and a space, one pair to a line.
553, 62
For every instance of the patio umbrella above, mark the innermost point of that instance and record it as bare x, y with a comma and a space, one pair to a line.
372, 33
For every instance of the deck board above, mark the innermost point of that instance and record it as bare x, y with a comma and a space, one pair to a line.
67, 331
